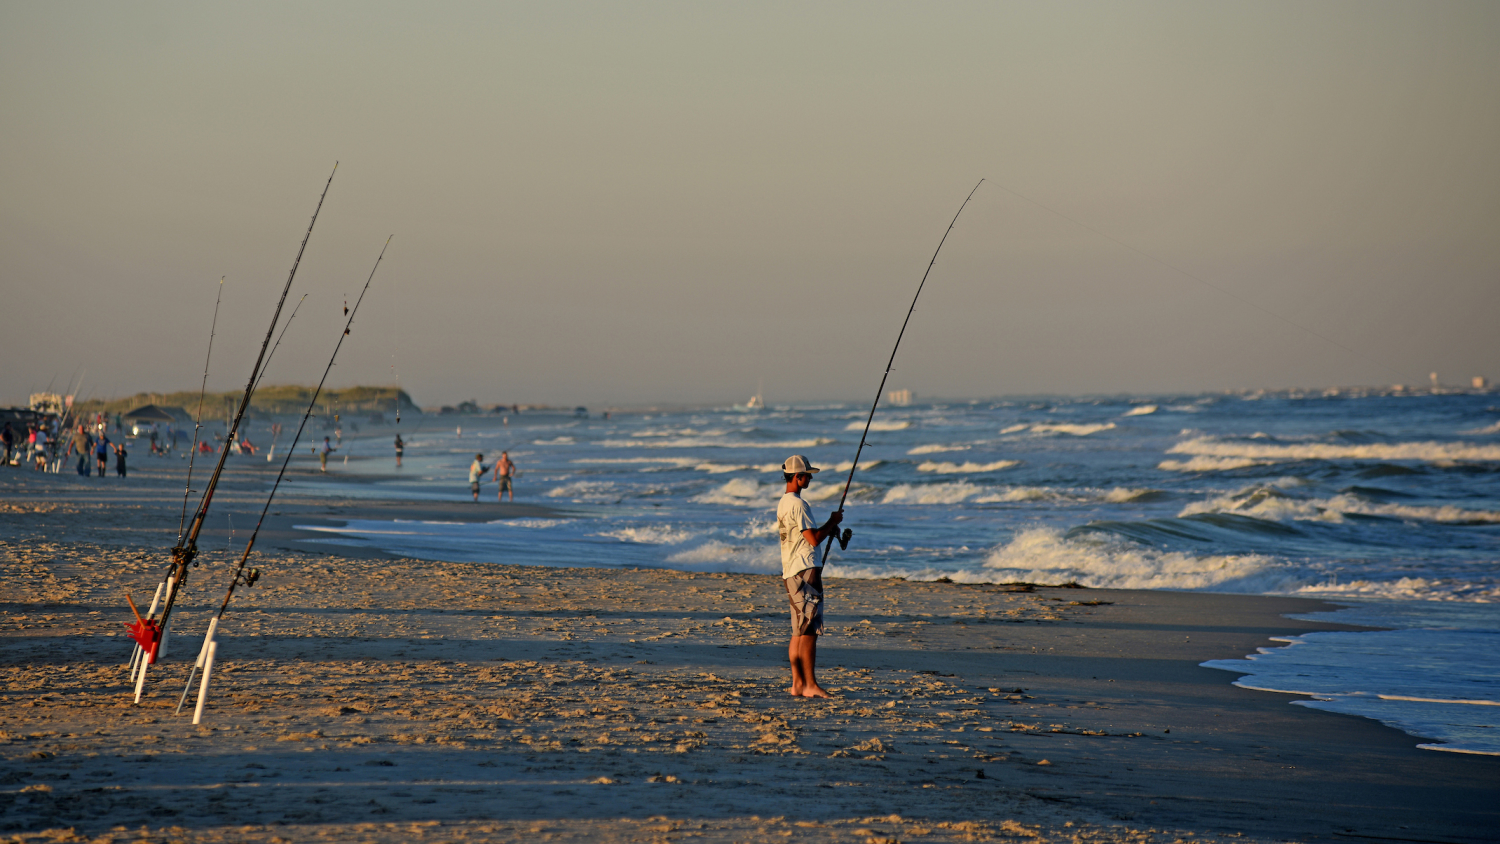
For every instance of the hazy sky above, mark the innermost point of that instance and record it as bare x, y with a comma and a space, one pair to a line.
598, 203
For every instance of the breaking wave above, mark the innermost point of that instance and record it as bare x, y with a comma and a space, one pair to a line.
696, 442
966, 468
649, 535
951, 493
1208, 464
1143, 410
1270, 503
1072, 430
1044, 555
880, 425
1429, 452
936, 449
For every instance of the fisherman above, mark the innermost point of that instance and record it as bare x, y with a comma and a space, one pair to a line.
400, 448
802, 572
504, 471
327, 449
476, 474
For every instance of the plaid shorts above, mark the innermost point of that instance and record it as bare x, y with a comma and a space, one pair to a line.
806, 598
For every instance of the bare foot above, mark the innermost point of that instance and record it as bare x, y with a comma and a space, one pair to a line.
815, 691
796, 691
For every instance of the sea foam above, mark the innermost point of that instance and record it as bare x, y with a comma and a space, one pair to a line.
966, 468
1270, 503
1429, 452
1043, 555
880, 425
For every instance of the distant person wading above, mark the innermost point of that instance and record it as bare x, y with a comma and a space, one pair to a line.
504, 472
476, 474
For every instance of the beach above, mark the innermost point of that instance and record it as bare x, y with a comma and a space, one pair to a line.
365, 696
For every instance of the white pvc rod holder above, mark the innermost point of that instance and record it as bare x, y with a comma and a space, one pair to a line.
208, 669
140, 679
155, 602
208, 639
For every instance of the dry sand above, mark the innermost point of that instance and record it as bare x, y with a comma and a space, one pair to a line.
366, 698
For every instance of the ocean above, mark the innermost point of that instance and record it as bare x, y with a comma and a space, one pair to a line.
1385, 502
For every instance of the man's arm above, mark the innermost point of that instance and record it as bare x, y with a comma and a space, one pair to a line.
815, 536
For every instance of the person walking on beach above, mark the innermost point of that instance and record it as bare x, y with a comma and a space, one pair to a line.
101, 453
400, 448
119, 460
39, 448
476, 474
327, 449
8, 439
84, 445
802, 572
504, 471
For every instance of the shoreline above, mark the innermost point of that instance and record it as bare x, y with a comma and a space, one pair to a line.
362, 696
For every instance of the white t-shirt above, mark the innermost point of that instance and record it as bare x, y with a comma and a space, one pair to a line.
792, 517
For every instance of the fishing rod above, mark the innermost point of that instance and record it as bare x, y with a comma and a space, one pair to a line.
198, 423
843, 538
249, 578
70, 416
272, 356
149, 634
278, 340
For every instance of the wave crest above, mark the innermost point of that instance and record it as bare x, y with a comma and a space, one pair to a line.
1429, 452
966, 468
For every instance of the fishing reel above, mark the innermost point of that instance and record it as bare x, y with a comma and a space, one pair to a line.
182, 556
249, 577
844, 539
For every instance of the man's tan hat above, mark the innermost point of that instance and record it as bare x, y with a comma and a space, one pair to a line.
797, 465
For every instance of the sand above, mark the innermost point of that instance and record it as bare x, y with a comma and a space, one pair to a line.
361, 697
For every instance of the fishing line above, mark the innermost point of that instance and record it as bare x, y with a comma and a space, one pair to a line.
278, 340
844, 537
239, 572
198, 423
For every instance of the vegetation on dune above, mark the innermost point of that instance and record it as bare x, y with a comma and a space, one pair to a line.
275, 399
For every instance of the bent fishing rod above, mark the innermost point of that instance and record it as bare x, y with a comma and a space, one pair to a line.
187, 547
844, 537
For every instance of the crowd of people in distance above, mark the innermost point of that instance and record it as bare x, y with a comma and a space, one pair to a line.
49, 443
46, 446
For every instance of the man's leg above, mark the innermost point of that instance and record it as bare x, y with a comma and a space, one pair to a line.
808, 657
794, 653
805, 592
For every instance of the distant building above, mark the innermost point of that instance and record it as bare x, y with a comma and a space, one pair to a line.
901, 398
49, 403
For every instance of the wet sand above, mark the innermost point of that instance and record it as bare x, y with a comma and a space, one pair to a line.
361, 697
